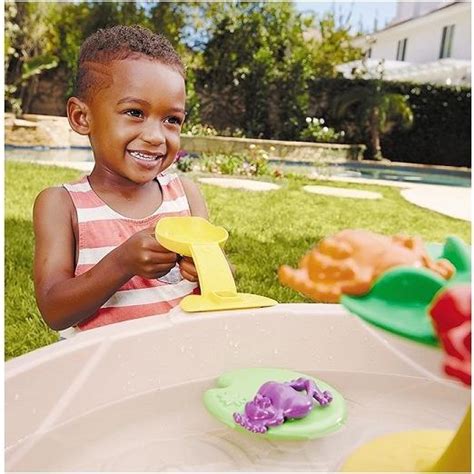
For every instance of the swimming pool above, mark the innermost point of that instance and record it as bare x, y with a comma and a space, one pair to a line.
48, 154
405, 173
391, 172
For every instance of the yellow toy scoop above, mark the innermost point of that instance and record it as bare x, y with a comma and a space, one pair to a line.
197, 238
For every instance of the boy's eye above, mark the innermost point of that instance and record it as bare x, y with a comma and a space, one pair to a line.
134, 113
174, 120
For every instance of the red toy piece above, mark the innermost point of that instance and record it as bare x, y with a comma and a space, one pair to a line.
451, 315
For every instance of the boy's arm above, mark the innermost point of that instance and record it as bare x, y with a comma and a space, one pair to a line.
196, 201
65, 300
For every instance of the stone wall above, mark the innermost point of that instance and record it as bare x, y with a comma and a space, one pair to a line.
54, 131
288, 150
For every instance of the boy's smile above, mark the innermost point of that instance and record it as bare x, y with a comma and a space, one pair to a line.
135, 119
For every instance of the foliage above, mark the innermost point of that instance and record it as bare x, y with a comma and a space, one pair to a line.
258, 60
199, 130
30, 48
252, 71
441, 131
317, 131
185, 163
252, 163
46, 35
266, 230
376, 109
332, 46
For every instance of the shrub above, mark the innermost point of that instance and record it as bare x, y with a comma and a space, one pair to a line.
441, 131
253, 163
199, 130
317, 131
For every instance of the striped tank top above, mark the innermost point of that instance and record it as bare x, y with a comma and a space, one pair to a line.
101, 229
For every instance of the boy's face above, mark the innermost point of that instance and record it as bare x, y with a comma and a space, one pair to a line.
135, 120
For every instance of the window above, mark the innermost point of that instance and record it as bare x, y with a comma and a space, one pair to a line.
401, 49
446, 42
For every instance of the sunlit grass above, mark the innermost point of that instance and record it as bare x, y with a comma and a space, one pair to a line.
266, 230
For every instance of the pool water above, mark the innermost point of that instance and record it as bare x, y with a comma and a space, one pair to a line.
169, 429
48, 154
412, 174
407, 173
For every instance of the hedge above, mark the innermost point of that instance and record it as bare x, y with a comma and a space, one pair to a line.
441, 133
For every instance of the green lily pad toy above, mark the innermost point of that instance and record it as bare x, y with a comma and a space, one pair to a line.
276, 403
400, 299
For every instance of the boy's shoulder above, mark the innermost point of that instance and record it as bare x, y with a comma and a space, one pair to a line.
53, 199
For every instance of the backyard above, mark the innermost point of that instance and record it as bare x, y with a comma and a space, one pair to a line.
267, 229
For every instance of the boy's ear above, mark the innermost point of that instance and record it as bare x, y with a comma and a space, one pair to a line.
78, 116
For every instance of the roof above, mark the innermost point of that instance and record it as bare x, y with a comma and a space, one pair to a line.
445, 71
394, 25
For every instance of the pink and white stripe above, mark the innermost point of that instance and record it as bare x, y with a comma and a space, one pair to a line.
101, 230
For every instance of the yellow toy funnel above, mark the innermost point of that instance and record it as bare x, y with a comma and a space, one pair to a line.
197, 238
416, 451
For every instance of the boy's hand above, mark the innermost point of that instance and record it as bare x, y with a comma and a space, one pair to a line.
187, 269
142, 255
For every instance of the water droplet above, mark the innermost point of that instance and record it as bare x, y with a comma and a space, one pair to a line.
17, 396
182, 348
275, 351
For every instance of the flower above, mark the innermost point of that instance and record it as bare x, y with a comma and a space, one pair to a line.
181, 154
321, 121
308, 119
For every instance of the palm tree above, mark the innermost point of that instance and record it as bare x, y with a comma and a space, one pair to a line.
375, 108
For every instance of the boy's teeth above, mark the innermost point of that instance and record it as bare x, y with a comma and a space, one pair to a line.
142, 156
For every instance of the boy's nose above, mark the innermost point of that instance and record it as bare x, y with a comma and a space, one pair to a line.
153, 133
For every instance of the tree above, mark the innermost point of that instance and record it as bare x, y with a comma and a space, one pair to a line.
331, 45
375, 108
258, 61
30, 48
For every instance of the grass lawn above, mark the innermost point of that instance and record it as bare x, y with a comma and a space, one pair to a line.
266, 230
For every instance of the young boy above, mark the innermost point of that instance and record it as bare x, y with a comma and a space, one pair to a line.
96, 258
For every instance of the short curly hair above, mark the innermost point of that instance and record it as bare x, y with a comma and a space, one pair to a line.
116, 43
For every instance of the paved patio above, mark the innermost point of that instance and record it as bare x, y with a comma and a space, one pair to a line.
452, 201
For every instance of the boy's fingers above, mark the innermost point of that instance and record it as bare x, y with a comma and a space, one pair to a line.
187, 265
188, 276
165, 257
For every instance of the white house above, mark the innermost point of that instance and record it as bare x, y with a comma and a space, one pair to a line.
425, 42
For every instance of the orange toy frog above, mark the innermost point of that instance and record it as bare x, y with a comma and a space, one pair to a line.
351, 260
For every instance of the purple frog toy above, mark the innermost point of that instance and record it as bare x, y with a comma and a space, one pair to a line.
276, 401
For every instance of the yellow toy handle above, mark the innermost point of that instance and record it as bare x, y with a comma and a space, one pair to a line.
196, 237
213, 269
